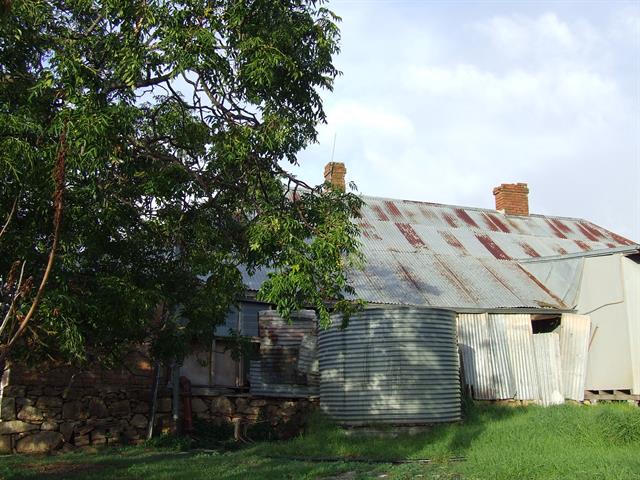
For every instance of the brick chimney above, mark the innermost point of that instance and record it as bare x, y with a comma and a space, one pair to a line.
512, 198
334, 173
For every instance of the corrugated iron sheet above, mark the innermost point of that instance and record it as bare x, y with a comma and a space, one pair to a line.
562, 276
429, 254
498, 356
278, 372
575, 332
522, 357
549, 367
391, 365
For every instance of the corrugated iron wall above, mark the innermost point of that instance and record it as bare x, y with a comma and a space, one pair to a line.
547, 348
391, 365
287, 354
575, 332
522, 356
497, 355
503, 359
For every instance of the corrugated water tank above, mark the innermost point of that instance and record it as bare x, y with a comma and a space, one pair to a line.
391, 365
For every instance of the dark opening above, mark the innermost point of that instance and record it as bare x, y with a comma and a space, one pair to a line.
544, 324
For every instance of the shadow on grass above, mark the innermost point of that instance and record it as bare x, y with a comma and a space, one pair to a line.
277, 460
181, 465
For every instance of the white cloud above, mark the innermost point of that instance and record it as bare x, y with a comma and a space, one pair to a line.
541, 97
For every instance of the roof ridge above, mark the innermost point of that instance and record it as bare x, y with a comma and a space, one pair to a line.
479, 209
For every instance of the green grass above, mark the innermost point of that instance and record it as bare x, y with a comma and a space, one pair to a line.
497, 442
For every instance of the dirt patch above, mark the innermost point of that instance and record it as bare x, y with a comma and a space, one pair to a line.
63, 469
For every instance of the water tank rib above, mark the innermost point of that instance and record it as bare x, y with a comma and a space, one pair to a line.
391, 366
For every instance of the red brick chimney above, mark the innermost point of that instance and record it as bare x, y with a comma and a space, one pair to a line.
512, 198
334, 173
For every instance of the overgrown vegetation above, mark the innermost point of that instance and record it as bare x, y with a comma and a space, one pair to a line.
496, 442
145, 161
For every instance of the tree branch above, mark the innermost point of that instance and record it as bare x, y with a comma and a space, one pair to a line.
58, 175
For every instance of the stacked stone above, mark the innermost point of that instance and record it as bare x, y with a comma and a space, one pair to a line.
247, 409
42, 419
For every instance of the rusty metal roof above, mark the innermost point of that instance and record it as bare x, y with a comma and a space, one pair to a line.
430, 254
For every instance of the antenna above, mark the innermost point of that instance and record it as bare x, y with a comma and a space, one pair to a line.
333, 149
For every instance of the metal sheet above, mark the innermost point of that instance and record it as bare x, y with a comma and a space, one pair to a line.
522, 358
575, 332
278, 372
548, 364
391, 365
631, 281
562, 276
602, 297
484, 345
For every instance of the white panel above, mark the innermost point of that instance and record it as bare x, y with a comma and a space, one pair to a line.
631, 280
547, 349
602, 298
575, 331
522, 357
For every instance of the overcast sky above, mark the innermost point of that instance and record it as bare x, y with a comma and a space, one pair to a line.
442, 101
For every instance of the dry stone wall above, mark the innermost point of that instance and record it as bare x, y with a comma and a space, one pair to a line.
61, 409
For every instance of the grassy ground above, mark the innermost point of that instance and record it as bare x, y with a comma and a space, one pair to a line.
496, 442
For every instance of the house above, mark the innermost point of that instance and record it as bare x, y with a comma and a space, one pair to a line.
546, 307
529, 307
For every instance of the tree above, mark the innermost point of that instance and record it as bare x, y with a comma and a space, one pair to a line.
144, 154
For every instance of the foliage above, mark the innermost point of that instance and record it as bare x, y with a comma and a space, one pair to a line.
179, 120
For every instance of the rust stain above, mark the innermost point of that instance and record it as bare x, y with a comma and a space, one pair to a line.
409, 277
542, 286
611, 245
555, 229
515, 226
490, 245
594, 231
498, 278
621, 239
499, 223
428, 214
453, 278
464, 216
561, 251
410, 234
450, 220
368, 231
583, 246
381, 215
392, 209
453, 241
587, 233
489, 223
529, 250
563, 227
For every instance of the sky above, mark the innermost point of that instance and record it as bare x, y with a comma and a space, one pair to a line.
442, 101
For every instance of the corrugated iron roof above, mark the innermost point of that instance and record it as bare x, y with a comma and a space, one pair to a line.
430, 254
421, 253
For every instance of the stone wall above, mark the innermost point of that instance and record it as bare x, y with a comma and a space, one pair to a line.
285, 416
56, 408
61, 409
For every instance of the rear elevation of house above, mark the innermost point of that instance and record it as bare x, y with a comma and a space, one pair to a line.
497, 304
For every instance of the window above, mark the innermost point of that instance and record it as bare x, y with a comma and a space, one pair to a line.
544, 323
216, 367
